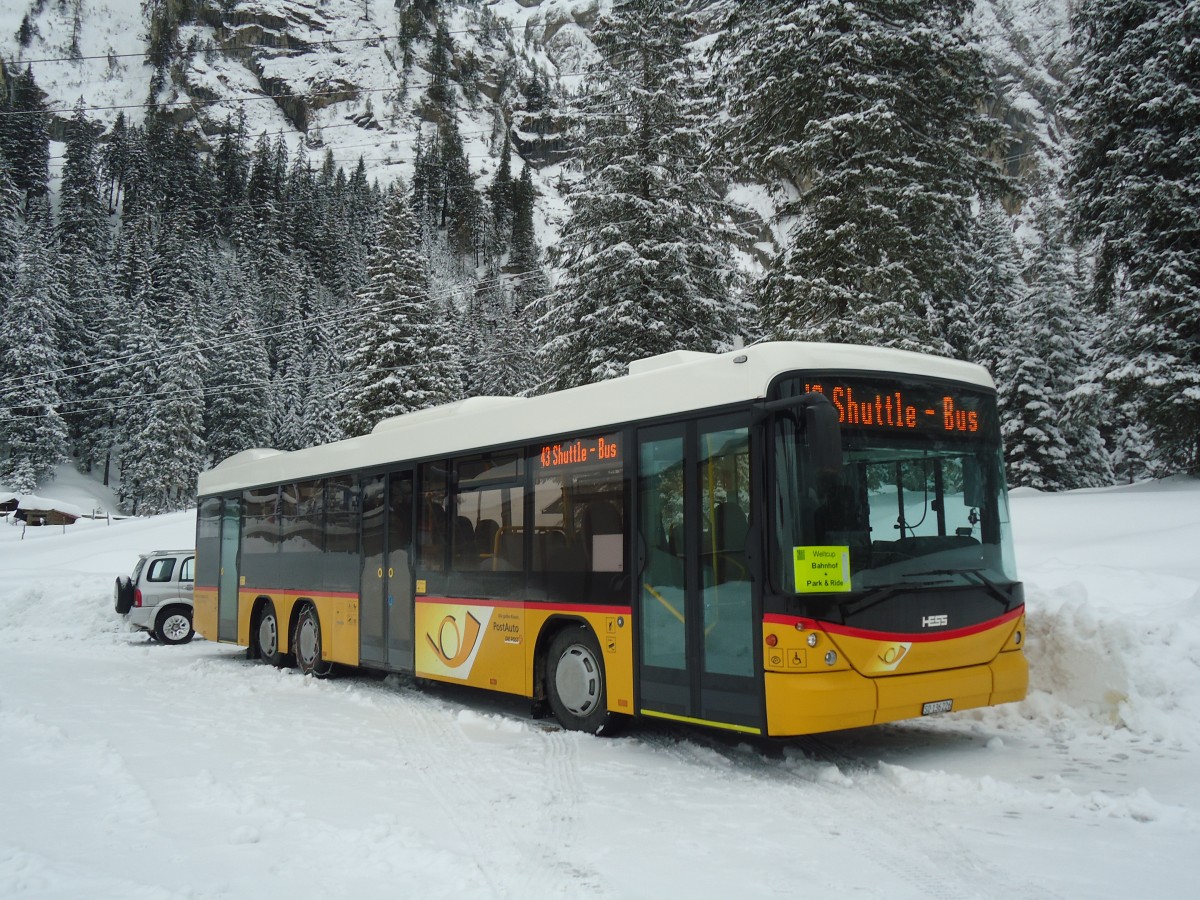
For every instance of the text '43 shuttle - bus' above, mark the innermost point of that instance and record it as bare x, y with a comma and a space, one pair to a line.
785, 539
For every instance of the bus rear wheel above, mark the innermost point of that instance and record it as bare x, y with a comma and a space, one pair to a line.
266, 636
575, 682
306, 642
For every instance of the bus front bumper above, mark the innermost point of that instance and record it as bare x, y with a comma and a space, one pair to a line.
812, 702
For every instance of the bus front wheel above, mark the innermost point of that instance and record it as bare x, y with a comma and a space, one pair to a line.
575, 682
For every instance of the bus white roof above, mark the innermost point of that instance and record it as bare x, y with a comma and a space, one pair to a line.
674, 382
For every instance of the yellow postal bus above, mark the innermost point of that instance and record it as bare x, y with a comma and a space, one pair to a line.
780, 540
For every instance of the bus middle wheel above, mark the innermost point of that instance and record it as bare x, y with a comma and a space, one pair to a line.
266, 636
306, 643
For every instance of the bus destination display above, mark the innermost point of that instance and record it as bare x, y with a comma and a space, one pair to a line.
873, 405
580, 452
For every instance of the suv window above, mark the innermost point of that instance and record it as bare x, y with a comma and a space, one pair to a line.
161, 569
185, 571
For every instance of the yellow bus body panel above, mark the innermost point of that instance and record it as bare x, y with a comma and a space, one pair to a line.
337, 613
493, 645
882, 678
204, 612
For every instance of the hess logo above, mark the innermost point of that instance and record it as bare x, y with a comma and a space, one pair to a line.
453, 646
935, 621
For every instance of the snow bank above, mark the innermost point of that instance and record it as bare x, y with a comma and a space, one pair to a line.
224, 769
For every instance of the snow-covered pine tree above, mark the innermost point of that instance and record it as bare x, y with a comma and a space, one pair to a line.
1007, 338
106, 381
232, 171
10, 230
1034, 449
25, 135
295, 347
514, 367
530, 284
1134, 176
644, 267
996, 290
399, 360
323, 375
33, 435
500, 195
867, 115
116, 163
1065, 342
236, 383
83, 241
163, 417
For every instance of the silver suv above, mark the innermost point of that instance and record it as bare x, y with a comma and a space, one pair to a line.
158, 596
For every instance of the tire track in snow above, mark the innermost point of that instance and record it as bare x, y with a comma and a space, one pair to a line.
939, 863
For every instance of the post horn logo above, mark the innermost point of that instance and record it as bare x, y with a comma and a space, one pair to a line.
453, 647
892, 655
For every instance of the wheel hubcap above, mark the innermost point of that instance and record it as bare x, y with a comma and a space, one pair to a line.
176, 627
308, 643
268, 635
577, 680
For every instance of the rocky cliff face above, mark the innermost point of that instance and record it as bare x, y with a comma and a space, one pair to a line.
354, 77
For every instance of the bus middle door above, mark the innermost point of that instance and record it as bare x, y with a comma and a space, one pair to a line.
386, 585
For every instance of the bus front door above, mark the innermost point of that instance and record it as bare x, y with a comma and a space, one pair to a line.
697, 636
386, 584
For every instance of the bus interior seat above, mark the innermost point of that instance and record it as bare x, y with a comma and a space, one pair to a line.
510, 550
550, 551
486, 533
464, 539
731, 528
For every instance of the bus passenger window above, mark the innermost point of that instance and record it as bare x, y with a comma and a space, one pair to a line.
580, 514
488, 536
431, 519
342, 509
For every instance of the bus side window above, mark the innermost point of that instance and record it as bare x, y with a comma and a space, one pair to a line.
580, 514
431, 519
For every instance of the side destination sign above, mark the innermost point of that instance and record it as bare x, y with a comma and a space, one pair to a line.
821, 570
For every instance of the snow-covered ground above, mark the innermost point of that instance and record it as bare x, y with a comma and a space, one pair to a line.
131, 770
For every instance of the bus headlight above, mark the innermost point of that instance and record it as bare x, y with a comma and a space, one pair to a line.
1017, 638
831, 657
812, 639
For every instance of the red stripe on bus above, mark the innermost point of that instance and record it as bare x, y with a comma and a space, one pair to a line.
831, 628
530, 604
310, 595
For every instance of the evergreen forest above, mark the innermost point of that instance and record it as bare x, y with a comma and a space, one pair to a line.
176, 288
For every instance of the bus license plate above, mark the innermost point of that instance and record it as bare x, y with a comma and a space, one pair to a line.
937, 707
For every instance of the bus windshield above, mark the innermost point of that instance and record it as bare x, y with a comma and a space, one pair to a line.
919, 500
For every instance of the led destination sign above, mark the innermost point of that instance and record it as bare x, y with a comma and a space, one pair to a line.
875, 405
580, 452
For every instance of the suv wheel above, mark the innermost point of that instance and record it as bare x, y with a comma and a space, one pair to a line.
174, 625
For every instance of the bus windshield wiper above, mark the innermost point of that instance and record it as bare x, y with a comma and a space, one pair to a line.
977, 571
